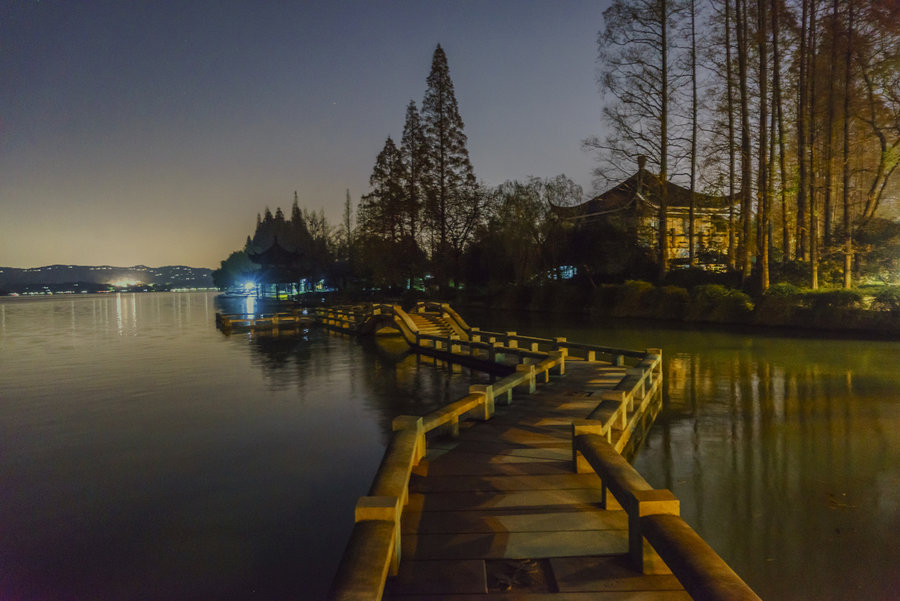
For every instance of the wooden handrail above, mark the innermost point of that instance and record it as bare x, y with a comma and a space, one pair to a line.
590, 350
364, 567
658, 538
378, 515
699, 569
366, 561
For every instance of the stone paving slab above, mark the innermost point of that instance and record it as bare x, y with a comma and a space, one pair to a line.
584, 574
501, 483
584, 499
592, 596
515, 545
471, 467
439, 577
527, 519
559, 451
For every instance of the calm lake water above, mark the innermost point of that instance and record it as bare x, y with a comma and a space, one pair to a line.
145, 455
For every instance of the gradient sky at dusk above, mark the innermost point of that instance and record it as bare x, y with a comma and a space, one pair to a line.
154, 132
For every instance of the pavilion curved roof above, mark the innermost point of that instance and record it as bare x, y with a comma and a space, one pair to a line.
274, 255
646, 187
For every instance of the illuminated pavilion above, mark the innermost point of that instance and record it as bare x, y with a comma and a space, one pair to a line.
279, 274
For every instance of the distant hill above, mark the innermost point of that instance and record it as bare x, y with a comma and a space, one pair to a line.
14, 279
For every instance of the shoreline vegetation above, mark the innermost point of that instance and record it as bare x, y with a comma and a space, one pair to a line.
427, 229
783, 306
868, 312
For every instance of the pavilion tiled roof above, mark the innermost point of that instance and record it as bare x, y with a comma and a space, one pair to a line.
624, 195
274, 255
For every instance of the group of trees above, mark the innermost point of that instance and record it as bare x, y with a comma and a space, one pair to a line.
424, 201
305, 233
790, 107
516, 238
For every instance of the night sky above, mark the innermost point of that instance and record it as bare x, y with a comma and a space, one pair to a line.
154, 132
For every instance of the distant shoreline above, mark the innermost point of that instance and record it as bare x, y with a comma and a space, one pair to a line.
101, 278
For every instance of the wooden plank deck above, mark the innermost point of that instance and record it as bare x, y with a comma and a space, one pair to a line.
499, 513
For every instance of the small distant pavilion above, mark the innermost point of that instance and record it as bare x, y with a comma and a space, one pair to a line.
279, 273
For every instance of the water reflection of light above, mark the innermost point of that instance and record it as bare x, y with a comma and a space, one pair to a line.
249, 304
119, 327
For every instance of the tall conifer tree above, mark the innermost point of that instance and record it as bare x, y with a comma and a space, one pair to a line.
381, 211
413, 155
451, 204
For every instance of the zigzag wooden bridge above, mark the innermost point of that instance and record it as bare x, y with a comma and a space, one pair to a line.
530, 498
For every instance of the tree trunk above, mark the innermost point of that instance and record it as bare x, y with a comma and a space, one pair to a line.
778, 109
762, 185
692, 256
729, 76
827, 209
811, 142
746, 168
802, 116
845, 167
664, 142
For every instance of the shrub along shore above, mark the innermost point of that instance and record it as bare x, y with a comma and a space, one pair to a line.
874, 311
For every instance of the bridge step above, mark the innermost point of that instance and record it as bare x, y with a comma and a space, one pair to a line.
431, 324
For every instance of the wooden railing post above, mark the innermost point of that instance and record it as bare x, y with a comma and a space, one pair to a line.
497, 355
488, 392
641, 373
560, 342
411, 422
579, 464
648, 502
385, 509
622, 412
561, 355
528, 370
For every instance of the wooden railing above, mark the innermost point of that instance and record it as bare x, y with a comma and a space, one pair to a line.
373, 551
229, 321
588, 352
639, 386
660, 541
472, 342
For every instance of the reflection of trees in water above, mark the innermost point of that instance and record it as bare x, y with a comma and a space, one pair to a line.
780, 460
380, 373
401, 382
275, 352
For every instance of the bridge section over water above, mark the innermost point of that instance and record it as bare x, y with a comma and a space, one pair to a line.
519, 490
